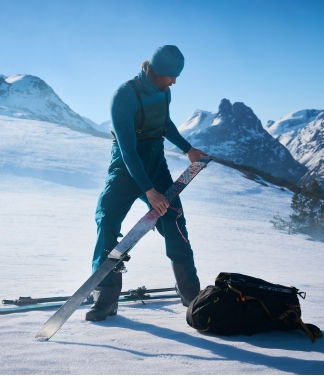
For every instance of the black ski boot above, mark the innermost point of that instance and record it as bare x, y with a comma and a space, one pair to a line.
104, 304
100, 311
184, 289
189, 295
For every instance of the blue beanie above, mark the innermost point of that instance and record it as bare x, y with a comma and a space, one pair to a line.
167, 61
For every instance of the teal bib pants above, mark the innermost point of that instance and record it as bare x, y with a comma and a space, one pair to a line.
116, 200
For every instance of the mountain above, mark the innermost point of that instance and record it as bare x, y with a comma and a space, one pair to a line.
291, 122
29, 97
302, 133
197, 121
235, 133
104, 127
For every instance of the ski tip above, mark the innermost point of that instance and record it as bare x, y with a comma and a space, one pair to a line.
45, 333
41, 339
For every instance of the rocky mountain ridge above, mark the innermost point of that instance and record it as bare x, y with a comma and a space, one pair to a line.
290, 148
305, 141
235, 133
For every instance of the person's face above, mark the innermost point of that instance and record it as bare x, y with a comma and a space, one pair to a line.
163, 82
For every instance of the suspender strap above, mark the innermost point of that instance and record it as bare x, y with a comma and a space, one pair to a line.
139, 129
167, 115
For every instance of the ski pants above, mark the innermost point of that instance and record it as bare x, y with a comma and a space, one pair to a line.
116, 200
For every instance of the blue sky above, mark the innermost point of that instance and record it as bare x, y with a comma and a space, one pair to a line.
267, 54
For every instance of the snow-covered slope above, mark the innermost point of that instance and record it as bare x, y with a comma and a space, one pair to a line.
29, 97
31, 148
51, 178
302, 133
292, 122
197, 121
307, 146
235, 133
104, 127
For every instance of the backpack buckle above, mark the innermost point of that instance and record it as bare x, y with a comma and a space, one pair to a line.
302, 294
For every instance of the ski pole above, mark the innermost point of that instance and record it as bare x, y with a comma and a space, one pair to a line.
27, 300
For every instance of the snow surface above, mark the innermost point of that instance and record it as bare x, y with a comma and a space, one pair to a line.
51, 177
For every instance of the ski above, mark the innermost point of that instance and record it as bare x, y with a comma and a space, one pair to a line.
119, 253
53, 305
22, 300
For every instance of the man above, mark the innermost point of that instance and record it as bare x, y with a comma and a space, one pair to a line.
138, 169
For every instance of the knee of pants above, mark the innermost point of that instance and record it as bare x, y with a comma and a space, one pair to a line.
107, 236
177, 244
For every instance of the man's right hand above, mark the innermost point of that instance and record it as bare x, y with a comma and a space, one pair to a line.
158, 201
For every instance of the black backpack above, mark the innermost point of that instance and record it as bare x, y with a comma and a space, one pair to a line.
239, 304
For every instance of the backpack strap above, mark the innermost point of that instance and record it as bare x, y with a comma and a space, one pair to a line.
167, 115
244, 298
317, 333
311, 330
139, 128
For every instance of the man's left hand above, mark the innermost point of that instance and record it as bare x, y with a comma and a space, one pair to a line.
195, 154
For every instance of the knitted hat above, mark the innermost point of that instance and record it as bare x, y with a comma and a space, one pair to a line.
167, 61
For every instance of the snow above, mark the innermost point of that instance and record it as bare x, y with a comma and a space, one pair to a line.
14, 78
306, 145
51, 177
29, 97
292, 122
199, 120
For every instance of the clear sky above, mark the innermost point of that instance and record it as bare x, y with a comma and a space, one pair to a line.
268, 54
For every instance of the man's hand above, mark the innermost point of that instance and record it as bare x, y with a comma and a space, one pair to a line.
195, 154
158, 201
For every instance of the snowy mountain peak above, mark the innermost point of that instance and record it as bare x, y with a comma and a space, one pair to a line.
235, 133
238, 114
29, 97
306, 142
198, 120
293, 121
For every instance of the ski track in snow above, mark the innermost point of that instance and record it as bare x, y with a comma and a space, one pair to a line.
50, 180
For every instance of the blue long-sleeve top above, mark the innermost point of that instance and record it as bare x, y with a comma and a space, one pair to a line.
123, 108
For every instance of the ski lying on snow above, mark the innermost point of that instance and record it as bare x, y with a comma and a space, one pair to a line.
53, 305
119, 253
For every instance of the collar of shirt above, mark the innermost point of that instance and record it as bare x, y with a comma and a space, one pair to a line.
147, 85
